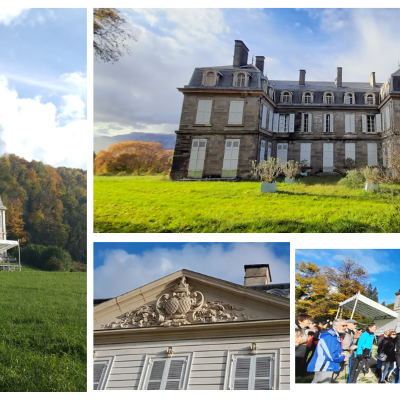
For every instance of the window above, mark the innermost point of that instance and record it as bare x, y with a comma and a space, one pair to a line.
262, 151
165, 373
350, 151
235, 112
349, 123
349, 98
197, 156
281, 153
372, 154
283, 123
307, 98
327, 160
286, 97
241, 80
305, 153
255, 372
271, 119
369, 99
264, 117
101, 371
368, 123
328, 123
203, 111
328, 98
269, 152
231, 158
210, 79
306, 120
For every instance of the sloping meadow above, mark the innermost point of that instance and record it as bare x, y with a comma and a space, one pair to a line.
43, 338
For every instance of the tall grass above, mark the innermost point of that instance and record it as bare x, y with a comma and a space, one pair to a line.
312, 204
43, 331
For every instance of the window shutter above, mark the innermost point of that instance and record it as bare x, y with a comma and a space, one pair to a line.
352, 123
305, 152
99, 369
291, 123
175, 375
269, 150
309, 122
203, 111
331, 122
263, 373
384, 158
231, 158
197, 157
276, 123
282, 120
302, 122
156, 374
378, 120
372, 154
264, 117
324, 127
242, 373
350, 151
262, 151
387, 118
271, 118
364, 123
347, 123
235, 112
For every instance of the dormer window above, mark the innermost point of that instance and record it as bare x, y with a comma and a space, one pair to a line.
241, 79
349, 98
328, 98
308, 97
369, 99
210, 78
286, 97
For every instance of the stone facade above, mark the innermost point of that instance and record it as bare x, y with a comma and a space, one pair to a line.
234, 114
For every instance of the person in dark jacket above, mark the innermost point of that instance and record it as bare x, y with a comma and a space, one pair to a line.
379, 363
363, 352
388, 348
397, 376
302, 322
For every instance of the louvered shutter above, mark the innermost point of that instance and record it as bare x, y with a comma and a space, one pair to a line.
99, 370
235, 112
242, 373
352, 123
324, 127
271, 119
309, 122
331, 122
156, 374
203, 111
364, 123
262, 151
276, 123
263, 373
175, 375
264, 117
378, 120
350, 151
305, 152
197, 157
302, 123
347, 123
372, 154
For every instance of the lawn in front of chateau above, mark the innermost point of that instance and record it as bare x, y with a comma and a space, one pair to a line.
312, 204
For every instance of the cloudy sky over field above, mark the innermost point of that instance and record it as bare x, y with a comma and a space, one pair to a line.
382, 266
122, 267
43, 85
138, 93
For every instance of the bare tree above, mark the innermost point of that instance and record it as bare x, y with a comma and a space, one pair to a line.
109, 37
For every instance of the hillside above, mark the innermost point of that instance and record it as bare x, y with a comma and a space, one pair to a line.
104, 142
43, 331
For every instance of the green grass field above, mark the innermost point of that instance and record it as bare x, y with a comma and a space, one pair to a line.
312, 204
43, 331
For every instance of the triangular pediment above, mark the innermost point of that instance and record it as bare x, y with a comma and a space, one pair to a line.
186, 297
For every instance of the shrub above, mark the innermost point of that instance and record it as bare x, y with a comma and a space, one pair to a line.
54, 264
78, 267
353, 179
290, 169
268, 170
43, 257
372, 174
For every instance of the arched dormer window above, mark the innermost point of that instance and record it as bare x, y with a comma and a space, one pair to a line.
307, 97
369, 98
241, 79
286, 96
349, 98
329, 98
210, 78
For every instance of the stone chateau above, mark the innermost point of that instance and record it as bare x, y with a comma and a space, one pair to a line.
234, 114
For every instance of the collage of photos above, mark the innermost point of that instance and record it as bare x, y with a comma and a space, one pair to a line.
277, 126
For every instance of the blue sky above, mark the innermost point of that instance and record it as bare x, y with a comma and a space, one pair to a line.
43, 67
121, 267
383, 266
138, 93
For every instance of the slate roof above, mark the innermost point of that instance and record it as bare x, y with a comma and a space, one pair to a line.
279, 289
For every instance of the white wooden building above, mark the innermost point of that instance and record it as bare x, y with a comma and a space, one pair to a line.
189, 331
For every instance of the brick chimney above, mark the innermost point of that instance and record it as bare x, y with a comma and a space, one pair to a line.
302, 77
339, 82
257, 274
260, 63
372, 79
241, 54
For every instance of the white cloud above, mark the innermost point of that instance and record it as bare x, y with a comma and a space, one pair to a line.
11, 14
122, 272
36, 130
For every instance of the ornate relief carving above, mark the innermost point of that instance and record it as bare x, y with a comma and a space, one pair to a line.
181, 307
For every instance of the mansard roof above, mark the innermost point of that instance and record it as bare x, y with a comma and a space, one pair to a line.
363, 87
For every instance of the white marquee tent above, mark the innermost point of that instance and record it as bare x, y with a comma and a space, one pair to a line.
9, 263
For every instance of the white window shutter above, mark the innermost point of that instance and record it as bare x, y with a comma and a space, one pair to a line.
291, 123
271, 119
175, 374
276, 123
242, 373
352, 123
197, 157
99, 370
264, 117
305, 152
350, 151
263, 373
372, 154
387, 118
156, 374
364, 123
203, 111
331, 122
302, 122
282, 119
378, 120
347, 123
235, 112
269, 150
309, 122
262, 151
231, 158
324, 127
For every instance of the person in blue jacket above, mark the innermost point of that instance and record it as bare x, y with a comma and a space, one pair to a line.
328, 354
363, 352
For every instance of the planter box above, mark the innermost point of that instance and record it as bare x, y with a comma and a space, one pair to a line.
291, 180
370, 187
303, 173
268, 187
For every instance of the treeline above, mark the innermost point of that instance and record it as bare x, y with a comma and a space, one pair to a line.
45, 205
319, 290
133, 158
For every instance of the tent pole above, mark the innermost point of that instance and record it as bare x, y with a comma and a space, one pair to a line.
337, 312
355, 305
19, 256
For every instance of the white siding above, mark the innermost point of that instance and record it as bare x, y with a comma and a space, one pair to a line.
209, 361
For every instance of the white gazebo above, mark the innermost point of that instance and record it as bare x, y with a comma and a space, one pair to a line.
382, 316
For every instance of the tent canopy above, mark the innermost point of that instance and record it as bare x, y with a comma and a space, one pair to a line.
367, 308
7, 244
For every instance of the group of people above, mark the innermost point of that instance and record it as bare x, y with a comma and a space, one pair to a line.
337, 350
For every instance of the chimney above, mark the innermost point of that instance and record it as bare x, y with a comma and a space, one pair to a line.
302, 77
260, 63
372, 79
396, 306
241, 54
257, 274
339, 82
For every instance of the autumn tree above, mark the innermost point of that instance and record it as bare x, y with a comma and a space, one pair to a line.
109, 35
371, 292
15, 223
